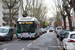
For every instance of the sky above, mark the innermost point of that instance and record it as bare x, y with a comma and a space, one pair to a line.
49, 4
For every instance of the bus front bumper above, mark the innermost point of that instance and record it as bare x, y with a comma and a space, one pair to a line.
28, 36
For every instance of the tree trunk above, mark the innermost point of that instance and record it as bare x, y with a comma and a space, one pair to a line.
64, 19
10, 18
70, 22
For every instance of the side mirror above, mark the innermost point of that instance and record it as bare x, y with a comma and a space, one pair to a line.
15, 25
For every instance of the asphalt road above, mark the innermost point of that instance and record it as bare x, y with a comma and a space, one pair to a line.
46, 41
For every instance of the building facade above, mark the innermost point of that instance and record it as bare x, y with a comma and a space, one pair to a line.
5, 13
1, 14
72, 18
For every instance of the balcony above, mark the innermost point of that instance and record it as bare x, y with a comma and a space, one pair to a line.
5, 7
7, 12
9, 1
15, 18
6, 18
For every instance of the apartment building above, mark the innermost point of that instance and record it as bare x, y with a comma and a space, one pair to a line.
5, 13
73, 17
1, 14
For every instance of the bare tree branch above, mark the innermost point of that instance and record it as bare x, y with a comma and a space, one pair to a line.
15, 3
7, 4
17, 9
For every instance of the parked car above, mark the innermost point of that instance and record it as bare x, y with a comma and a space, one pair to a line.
6, 33
51, 29
58, 28
57, 34
69, 41
43, 31
62, 34
40, 32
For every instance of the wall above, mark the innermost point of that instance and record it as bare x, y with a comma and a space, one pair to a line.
1, 14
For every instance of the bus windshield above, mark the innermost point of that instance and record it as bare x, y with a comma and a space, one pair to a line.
25, 28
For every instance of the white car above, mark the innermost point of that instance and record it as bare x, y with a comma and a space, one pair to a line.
58, 28
69, 41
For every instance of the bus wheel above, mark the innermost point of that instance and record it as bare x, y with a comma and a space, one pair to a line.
36, 35
11, 38
22, 38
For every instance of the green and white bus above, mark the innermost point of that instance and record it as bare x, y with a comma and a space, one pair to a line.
27, 27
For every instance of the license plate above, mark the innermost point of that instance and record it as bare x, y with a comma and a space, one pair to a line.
25, 33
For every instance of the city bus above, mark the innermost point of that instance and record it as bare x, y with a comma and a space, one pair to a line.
27, 27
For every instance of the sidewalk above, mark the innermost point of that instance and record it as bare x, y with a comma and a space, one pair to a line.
59, 43
1, 43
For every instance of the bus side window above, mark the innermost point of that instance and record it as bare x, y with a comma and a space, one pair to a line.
35, 26
14, 25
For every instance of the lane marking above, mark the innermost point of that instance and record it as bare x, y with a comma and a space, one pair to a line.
5, 49
22, 48
29, 44
50, 41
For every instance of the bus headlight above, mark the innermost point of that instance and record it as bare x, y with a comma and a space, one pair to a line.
33, 36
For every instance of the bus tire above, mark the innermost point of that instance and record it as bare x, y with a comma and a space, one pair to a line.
11, 38
36, 35
21, 38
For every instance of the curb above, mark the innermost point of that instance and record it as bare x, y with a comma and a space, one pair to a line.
59, 44
1, 43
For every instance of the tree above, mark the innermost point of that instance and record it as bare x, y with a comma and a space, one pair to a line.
64, 19
68, 8
35, 8
64, 8
72, 3
11, 4
60, 11
57, 23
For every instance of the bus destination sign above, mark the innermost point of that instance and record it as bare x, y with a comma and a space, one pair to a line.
25, 22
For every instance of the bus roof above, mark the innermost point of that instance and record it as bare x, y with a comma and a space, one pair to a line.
28, 19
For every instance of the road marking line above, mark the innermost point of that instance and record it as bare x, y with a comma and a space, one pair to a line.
5, 49
50, 40
29, 44
22, 48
